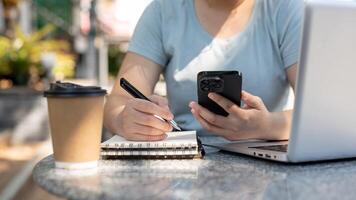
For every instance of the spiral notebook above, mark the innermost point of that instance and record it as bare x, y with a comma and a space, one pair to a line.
178, 145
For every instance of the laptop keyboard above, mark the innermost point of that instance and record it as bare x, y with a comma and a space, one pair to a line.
281, 148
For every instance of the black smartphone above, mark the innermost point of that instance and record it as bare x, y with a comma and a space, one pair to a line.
226, 83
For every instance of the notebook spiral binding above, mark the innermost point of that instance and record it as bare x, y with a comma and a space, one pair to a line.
149, 150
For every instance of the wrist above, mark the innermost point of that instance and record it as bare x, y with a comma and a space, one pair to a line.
278, 126
112, 121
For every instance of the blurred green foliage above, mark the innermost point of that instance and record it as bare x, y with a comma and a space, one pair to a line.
116, 56
61, 9
20, 56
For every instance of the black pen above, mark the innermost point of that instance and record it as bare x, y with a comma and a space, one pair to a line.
137, 94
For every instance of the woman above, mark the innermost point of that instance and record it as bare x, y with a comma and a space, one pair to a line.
180, 38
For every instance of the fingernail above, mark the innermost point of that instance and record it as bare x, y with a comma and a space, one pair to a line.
193, 111
191, 104
211, 95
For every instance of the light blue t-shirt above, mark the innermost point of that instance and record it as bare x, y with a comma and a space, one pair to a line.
170, 34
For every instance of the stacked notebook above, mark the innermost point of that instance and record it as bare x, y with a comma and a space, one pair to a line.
178, 145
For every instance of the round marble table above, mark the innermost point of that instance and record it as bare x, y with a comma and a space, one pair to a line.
218, 176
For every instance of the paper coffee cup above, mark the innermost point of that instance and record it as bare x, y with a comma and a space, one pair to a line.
76, 118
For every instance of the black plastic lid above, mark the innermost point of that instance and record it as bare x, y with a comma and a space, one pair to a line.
60, 89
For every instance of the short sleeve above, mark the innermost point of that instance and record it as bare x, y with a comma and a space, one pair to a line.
289, 22
147, 39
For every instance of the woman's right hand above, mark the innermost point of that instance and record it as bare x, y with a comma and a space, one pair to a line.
137, 121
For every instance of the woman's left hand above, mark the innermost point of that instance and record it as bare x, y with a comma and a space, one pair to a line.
253, 121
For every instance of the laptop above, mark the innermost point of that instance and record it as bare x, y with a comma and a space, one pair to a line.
324, 118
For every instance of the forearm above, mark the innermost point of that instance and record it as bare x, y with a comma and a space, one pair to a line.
143, 78
280, 125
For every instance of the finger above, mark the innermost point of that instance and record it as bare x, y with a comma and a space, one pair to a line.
226, 104
152, 121
246, 107
159, 100
212, 118
140, 137
210, 127
152, 108
228, 134
252, 101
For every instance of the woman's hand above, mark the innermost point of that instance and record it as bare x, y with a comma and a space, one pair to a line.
253, 121
137, 121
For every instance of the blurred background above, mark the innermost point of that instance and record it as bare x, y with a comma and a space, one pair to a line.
41, 41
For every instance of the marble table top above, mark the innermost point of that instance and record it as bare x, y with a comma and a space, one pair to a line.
218, 176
